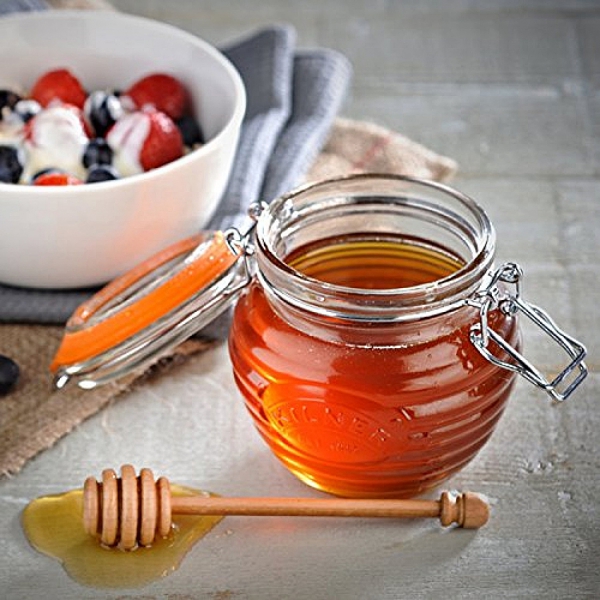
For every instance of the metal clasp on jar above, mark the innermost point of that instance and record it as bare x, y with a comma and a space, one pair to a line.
484, 338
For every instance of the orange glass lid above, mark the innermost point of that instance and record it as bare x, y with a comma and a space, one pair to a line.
151, 308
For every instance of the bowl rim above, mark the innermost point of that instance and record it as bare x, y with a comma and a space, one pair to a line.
234, 121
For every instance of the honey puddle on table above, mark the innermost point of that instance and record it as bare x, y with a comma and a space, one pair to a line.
54, 526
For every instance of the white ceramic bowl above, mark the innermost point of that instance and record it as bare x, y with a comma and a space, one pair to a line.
76, 236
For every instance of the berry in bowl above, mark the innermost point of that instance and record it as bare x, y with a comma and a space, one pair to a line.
109, 150
88, 137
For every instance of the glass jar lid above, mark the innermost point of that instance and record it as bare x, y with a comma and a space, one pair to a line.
151, 308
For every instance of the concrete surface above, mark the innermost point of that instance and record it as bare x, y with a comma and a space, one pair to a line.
511, 90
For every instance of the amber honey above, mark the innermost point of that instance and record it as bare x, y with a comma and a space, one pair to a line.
359, 261
359, 407
54, 526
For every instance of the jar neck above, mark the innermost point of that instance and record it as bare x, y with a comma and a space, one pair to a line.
377, 208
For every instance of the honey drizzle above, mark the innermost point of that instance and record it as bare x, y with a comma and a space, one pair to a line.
54, 526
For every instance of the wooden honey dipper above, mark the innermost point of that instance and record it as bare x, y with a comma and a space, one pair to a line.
131, 511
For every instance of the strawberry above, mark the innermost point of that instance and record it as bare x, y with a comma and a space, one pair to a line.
164, 92
56, 178
163, 144
148, 137
59, 84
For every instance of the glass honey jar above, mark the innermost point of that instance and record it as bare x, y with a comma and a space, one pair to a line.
373, 339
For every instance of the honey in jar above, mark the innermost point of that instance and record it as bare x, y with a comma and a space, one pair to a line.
360, 408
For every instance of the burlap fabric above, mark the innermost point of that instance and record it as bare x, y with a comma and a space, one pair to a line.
34, 416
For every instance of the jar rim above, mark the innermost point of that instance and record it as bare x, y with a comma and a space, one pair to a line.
291, 211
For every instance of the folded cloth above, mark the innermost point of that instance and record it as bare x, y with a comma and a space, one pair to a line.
319, 77
292, 100
265, 62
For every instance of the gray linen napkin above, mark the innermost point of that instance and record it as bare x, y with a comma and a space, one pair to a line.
265, 63
293, 98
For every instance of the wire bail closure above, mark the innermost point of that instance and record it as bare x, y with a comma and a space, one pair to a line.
483, 337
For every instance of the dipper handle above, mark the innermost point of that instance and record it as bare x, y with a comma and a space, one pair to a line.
131, 511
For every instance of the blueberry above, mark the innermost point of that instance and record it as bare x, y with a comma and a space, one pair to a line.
27, 109
102, 110
97, 152
190, 131
8, 99
45, 172
11, 165
9, 374
98, 173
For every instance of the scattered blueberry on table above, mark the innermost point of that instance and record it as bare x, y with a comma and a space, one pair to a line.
9, 374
